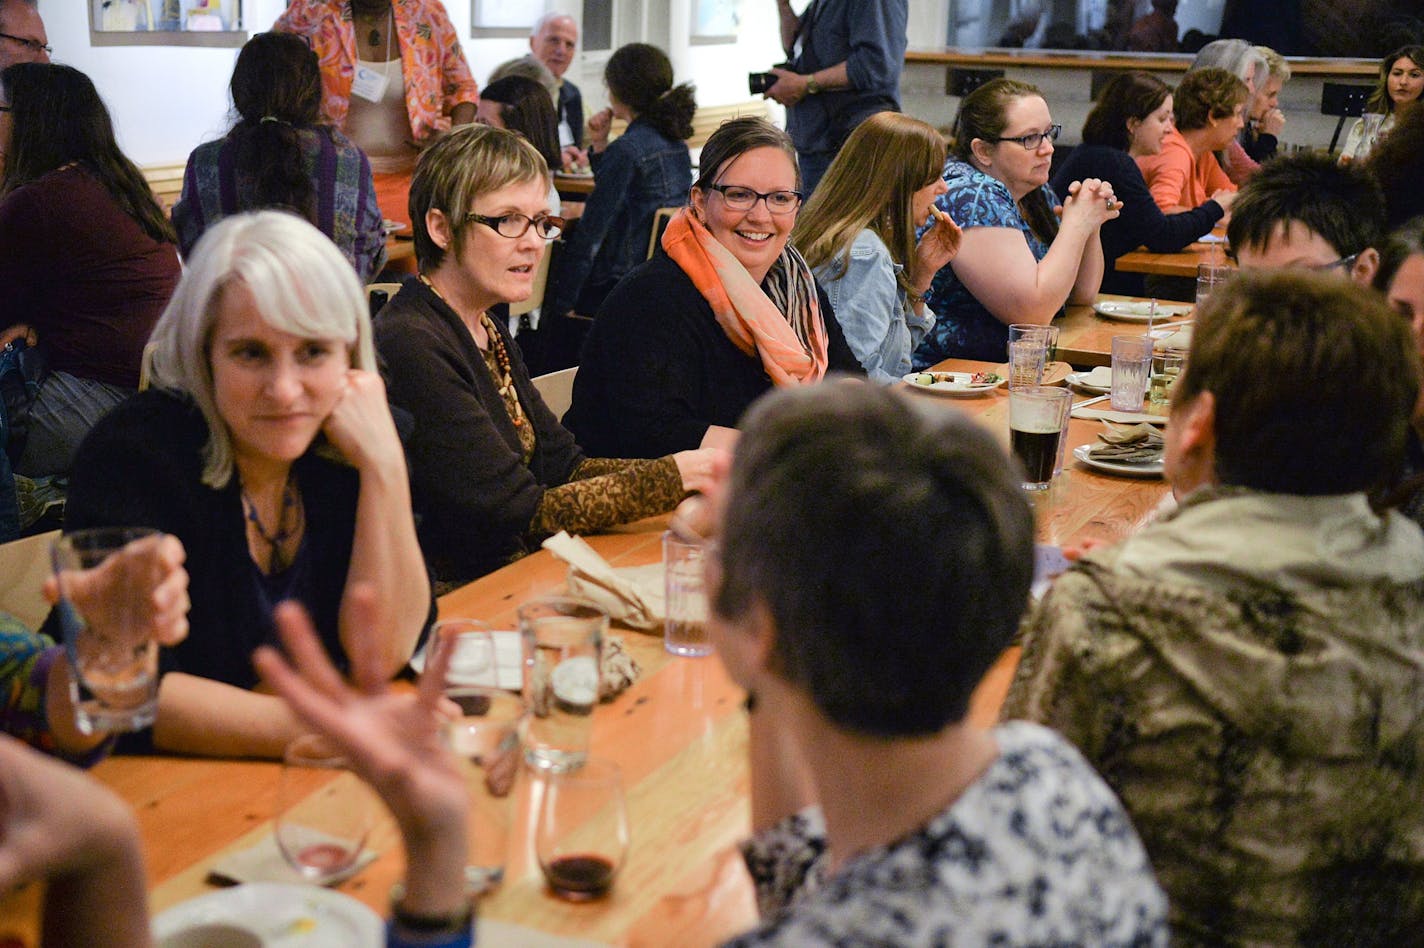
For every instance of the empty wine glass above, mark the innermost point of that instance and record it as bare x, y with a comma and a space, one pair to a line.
581, 837
324, 811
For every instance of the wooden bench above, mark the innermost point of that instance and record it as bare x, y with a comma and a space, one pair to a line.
166, 183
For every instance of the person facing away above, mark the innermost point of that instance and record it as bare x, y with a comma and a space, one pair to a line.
1246, 671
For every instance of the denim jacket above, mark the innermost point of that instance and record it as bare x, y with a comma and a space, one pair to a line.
881, 329
639, 172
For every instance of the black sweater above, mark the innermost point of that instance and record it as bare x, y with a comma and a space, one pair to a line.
1140, 222
657, 369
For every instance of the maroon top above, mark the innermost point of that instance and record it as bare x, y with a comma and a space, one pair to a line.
84, 274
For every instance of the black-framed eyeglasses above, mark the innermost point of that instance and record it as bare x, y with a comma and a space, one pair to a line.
1032, 140
33, 45
739, 198
1345, 264
517, 225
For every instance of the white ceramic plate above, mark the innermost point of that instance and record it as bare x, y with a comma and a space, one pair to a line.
1079, 380
953, 384
1125, 468
280, 915
1138, 311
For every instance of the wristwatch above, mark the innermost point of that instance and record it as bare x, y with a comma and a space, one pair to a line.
812, 86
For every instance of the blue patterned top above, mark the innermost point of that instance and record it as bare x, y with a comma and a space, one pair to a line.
1037, 851
964, 328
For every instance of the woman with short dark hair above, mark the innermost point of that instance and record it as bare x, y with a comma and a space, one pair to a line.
87, 258
281, 155
1132, 119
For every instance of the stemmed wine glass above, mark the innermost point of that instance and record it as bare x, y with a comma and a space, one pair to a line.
324, 811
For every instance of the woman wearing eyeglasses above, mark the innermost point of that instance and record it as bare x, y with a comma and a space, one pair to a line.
492, 470
1017, 262
725, 311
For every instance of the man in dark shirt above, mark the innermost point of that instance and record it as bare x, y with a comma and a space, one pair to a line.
554, 42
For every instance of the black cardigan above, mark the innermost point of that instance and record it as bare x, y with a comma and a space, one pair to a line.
657, 369
1140, 221
474, 496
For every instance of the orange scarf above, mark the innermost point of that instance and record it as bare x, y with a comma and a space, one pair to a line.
781, 324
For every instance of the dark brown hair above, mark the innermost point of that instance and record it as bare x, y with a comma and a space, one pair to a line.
1379, 99
982, 115
1132, 95
640, 76
735, 137
58, 118
276, 89
527, 109
1314, 380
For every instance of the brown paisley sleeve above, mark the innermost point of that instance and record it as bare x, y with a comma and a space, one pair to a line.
614, 491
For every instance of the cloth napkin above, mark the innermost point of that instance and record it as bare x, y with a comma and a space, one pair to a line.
1131, 444
1106, 413
632, 596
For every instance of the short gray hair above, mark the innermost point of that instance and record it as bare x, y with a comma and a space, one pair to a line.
301, 284
1237, 57
543, 21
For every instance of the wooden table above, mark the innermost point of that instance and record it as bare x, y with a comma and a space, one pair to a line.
1181, 264
1085, 338
573, 187
678, 734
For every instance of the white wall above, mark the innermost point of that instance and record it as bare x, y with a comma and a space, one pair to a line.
167, 100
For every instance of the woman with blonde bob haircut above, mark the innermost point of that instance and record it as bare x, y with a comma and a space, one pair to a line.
858, 235
494, 472
266, 446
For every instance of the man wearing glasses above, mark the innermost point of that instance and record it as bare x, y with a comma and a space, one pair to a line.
1305, 212
22, 34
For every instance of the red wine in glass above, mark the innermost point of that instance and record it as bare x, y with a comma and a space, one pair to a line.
579, 877
325, 859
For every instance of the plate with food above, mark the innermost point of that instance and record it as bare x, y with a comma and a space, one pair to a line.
954, 384
1149, 468
1139, 311
271, 914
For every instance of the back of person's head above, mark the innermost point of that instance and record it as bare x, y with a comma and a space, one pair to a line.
1397, 163
525, 67
57, 118
1131, 95
276, 90
983, 114
892, 549
871, 183
735, 137
1380, 100
1341, 204
1236, 56
526, 108
1206, 94
456, 171
640, 75
300, 283
1399, 245
1314, 381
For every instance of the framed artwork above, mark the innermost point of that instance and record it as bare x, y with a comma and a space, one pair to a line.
166, 23
714, 21
505, 17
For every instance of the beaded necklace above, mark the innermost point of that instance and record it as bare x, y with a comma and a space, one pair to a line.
496, 360
291, 501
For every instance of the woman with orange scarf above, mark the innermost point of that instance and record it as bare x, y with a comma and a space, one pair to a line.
723, 312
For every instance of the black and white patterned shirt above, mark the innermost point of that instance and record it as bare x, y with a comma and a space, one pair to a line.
1037, 851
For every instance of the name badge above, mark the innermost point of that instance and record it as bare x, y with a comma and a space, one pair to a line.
369, 84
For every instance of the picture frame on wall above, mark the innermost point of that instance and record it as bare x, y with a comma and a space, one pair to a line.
714, 21
507, 18
166, 23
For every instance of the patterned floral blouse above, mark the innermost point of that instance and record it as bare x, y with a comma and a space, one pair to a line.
25, 660
437, 77
1037, 851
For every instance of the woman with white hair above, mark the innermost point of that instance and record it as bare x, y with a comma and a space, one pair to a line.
266, 446
1251, 65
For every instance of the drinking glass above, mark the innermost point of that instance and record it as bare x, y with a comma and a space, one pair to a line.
1371, 132
472, 660
324, 811
1131, 364
1031, 348
1166, 367
562, 638
1035, 430
581, 834
1209, 277
685, 625
107, 637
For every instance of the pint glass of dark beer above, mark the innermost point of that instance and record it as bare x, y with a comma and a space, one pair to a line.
1035, 427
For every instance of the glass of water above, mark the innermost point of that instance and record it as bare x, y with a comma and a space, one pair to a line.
563, 650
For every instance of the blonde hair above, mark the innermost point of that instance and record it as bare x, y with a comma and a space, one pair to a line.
871, 184
460, 167
1276, 63
300, 283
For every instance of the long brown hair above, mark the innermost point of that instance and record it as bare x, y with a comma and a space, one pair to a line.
982, 115
871, 183
59, 119
276, 89
1379, 99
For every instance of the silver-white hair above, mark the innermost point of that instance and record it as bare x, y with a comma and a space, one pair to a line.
300, 283
548, 18
1237, 57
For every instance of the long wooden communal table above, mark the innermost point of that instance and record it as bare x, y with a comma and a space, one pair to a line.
1180, 264
678, 734
1085, 338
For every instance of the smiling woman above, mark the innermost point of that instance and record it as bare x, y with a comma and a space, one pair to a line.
493, 470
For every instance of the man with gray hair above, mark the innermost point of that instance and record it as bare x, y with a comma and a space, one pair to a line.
22, 34
554, 40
